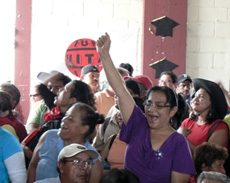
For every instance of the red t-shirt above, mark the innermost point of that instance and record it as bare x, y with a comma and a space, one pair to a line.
199, 134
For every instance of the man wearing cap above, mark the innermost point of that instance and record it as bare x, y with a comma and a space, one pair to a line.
184, 85
90, 75
74, 165
54, 81
144, 83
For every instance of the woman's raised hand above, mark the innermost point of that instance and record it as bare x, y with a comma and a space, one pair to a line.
103, 44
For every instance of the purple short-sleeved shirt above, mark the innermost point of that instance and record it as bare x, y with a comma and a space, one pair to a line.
149, 165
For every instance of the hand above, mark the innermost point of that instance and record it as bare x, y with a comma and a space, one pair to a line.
186, 131
103, 44
28, 153
222, 87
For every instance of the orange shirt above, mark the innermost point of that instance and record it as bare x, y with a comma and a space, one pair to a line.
116, 154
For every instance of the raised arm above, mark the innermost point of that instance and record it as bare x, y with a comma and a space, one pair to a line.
226, 93
125, 100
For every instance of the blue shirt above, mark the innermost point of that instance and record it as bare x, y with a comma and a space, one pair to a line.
9, 145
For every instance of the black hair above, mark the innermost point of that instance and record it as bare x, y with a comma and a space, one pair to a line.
180, 115
82, 92
140, 103
6, 103
119, 176
89, 116
128, 67
47, 95
133, 85
171, 74
13, 91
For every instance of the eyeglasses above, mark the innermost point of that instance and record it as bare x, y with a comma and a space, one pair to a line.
34, 95
80, 163
156, 105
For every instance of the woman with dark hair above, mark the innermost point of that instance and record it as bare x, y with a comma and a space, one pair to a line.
76, 127
209, 107
128, 67
82, 92
181, 114
155, 152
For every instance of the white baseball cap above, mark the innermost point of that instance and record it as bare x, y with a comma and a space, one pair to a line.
74, 149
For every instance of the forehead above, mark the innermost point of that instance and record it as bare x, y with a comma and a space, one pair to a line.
93, 74
56, 83
74, 112
202, 91
166, 77
157, 96
69, 85
185, 82
35, 89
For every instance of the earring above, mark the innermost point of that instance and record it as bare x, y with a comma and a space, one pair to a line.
209, 114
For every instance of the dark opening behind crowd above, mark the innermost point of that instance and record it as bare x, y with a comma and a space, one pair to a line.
124, 130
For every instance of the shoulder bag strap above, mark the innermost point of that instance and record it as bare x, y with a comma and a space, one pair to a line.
213, 128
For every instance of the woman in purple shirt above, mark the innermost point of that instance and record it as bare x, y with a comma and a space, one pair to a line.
155, 152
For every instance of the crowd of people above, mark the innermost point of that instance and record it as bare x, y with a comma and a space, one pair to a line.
124, 131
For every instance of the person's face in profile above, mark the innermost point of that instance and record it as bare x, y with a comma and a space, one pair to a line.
63, 96
71, 125
35, 96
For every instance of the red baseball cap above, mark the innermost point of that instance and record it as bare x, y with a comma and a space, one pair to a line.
144, 80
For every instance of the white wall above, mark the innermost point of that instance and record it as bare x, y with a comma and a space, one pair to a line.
57, 23
208, 40
63, 21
